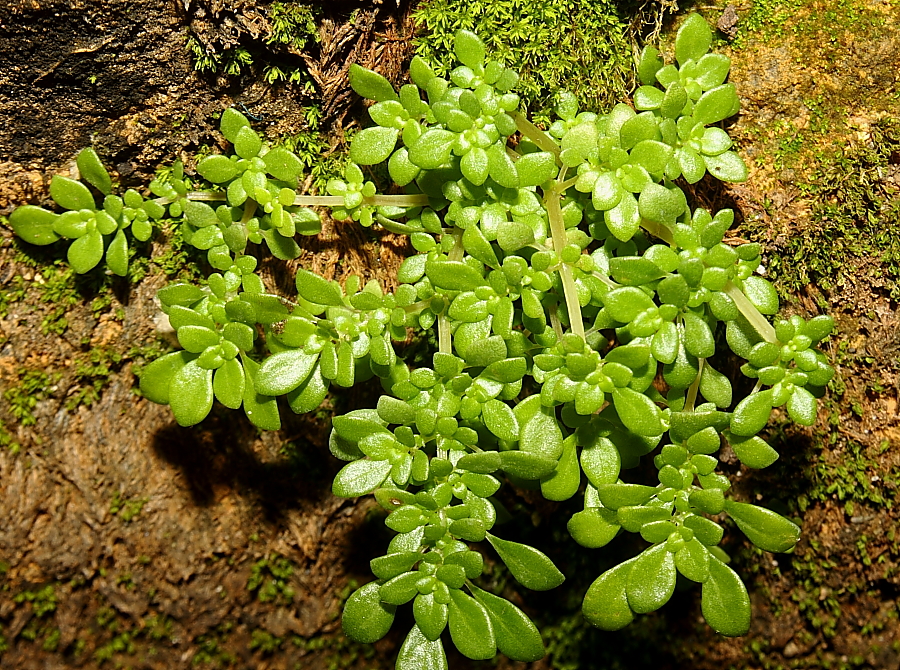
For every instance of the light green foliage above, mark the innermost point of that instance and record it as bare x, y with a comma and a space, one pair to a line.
269, 579
582, 46
563, 272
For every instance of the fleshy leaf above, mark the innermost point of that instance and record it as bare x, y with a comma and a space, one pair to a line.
470, 627
370, 84
284, 371
693, 39
92, 171
71, 194
420, 653
606, 602
766, 529
366, 619
360, 477
85, 252
516, 635
531, 568
373, 145
191, 394
651, 581
724, 600
320, 291
34, 224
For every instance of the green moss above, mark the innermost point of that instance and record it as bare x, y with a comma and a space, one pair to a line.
269, 579
43, 601
852, 234
22, 397
126, 509
264, 641
290, 27
579, 45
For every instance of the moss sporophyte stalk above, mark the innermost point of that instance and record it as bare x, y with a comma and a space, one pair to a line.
575, 294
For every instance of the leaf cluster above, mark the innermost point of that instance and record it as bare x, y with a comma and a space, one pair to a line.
576, 297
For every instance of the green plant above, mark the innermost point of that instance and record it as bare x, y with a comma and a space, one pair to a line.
576, 297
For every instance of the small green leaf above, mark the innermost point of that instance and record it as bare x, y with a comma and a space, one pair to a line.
801, 407
470, 627
615, 496
752, 414
117, 254
698, 338
262, 410
34, 224
531, 568
624, 304
231, 123
516, 635
693, 39
365, 618
606, 602
283, 164
501, 167
727, 166
247, 143
420, 653
199, 214
469, 48
360, 477
660, 204
563, 483
715, 105
284, 371
624, 219
754, 451
317, 290
594, 527
310, 394
639, 414
370, 84
500, 420
526, 465
541, 435
228, 384
453, 275
71, 194
724, 600
761, 293
766, 529
715, 386
536, 168
157, 376
92, 171
373, 145
217, 169
433, 148
693, 560
651, 581
431, 616
476, 245
601, 462
191, 394
86, 252
474, 166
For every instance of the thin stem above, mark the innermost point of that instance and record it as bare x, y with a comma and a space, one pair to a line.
445, 341
249, 211
554, 321
558, 232
748, 309
414, 200
543, 141
691, 398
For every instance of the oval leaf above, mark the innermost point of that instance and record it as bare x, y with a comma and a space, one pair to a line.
531, 568
724, 600
366, 619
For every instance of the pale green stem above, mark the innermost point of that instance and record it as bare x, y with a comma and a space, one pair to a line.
691, 398
249, 211
414, 200
445, 341
554, 321
748, 309
558, 232
543, 141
